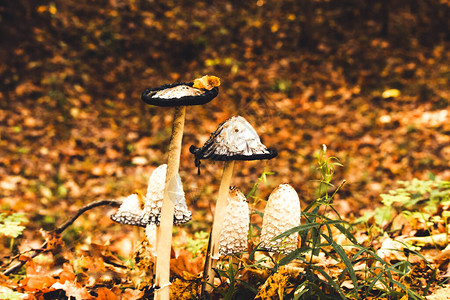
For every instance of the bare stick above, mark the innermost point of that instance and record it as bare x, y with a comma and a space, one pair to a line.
219, 215
164, 242
61, 228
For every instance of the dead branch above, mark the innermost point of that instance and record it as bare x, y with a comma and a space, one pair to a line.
61, 228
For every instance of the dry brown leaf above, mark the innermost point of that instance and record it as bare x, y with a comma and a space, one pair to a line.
37, 282
73, 289
185, 266
442, 293
106, 294
274, 286
130, 294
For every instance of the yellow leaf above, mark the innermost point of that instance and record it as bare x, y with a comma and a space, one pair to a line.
52, 9
391, 93
206, 82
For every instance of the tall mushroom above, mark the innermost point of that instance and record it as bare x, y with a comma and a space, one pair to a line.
234, 139
177, 95
234, 233
282, 213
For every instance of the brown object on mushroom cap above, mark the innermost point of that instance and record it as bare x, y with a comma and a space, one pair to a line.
281, 214
199, 92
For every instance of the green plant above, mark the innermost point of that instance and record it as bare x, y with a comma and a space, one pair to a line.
330, 263
255, 200
416, 200
10, 225
359, 272
11, 295
200, 240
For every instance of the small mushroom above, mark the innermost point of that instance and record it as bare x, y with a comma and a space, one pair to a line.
282, 213
234, 139
130, 211
155, 195
234, 233
178, 95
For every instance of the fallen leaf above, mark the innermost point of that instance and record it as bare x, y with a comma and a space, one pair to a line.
72, 289
105, 294
130, 294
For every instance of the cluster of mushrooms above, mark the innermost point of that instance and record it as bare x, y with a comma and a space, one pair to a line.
164, 204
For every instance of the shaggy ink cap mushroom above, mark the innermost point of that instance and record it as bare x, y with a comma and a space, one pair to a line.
178, 95
129, 212
234, 139
199, 92
282, 213
154, 199
234, 233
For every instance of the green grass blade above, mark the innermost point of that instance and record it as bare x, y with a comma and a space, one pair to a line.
348, 264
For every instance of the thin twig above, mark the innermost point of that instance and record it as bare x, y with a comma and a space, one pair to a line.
61, 228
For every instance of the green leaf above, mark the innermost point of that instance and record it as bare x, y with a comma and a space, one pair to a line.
348, 264
382, 214
12, 296
328, 277
11, 229
296, 229
293, 255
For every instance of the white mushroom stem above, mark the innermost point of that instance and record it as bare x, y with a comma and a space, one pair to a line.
164, 235
219, 215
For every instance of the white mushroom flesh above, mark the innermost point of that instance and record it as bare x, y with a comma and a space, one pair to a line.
234, 233
150, 233
282, 213
177, 92
155, 195
130, 211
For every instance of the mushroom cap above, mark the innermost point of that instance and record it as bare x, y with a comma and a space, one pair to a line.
155, 195
156, 183
234, 139
234, 233
178, 94
129, 213
282, 213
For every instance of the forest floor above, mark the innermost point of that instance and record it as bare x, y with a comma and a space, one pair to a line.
74, 130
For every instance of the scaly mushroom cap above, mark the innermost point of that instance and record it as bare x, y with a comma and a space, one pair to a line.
234, 233
282, 213
199, 92
234, 139
130, 211
155, 195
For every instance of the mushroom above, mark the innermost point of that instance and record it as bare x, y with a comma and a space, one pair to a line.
154, 199
130, 211
282, 213
234, 233
178, 95
234, 139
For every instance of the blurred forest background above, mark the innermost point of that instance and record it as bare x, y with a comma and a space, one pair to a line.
370, 79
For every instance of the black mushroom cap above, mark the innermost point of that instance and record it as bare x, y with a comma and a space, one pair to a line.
234, 139
178, 94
